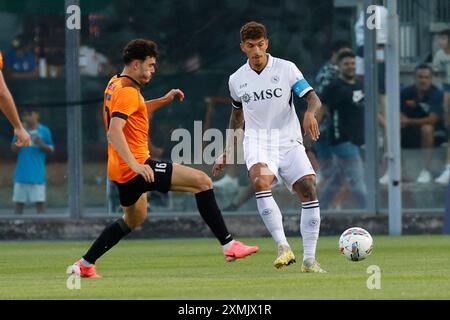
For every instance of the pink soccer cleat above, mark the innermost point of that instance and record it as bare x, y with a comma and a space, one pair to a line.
238, 250
83, 271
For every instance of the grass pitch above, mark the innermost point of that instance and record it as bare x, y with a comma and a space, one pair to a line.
412, 267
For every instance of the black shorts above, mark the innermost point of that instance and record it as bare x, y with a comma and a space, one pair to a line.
131, 191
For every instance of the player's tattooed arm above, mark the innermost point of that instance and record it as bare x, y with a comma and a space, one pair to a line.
234, 136
236, 119
310, 124
323, 111
314, 103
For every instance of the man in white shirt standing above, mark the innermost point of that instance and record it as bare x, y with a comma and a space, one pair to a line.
262, 93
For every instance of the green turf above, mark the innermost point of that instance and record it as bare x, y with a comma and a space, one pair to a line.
411, 268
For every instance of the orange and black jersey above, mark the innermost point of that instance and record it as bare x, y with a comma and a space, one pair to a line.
123, 99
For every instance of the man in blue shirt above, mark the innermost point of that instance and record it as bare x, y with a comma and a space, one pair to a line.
30, 177
21, 61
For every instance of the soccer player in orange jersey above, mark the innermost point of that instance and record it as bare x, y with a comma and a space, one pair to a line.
8, 107
130, 167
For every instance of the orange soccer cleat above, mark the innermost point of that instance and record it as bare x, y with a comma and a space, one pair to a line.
238, 250
83, 271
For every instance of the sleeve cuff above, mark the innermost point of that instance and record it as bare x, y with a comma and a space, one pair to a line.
120, 115
304, 92
236, 104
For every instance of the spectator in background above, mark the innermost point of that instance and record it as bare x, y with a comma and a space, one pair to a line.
343, 100
21, 61
30, 176
441, 64
328, 73
93, 63
330, 70
421, 106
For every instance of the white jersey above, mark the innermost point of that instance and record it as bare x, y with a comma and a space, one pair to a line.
267, 102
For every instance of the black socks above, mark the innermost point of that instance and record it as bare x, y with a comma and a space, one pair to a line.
210, 212
110, 236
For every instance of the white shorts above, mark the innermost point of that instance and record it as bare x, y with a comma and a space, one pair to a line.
27, 192
288, 164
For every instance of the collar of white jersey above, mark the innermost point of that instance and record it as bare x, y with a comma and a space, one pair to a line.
269, 63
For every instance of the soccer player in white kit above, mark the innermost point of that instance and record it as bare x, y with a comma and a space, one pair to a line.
262, 92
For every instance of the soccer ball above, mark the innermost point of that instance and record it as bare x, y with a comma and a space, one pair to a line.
356, 244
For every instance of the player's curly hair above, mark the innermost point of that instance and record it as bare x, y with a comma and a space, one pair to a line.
139, 49
252, 31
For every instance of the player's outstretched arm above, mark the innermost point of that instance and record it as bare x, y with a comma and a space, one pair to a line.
310, 124
234, 136
155, 104
119, 143
8, 107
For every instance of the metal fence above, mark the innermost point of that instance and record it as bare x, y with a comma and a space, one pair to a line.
419, 21
199, 60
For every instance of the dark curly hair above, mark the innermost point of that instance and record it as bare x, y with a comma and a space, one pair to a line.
345, 54
139, 49
253, 30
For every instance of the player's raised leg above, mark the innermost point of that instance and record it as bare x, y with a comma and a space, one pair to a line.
133, 217
262, 180
186, 179
305, 187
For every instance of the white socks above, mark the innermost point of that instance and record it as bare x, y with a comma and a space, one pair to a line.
227, 246
309, 222
86, 263
271, 215
309, 227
